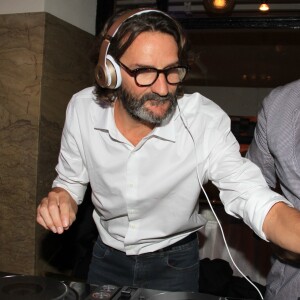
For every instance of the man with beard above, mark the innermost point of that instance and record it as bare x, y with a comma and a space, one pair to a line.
145, 148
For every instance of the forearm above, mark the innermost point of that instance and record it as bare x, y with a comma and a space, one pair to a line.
282, 227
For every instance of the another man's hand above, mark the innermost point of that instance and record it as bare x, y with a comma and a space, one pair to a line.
57, 211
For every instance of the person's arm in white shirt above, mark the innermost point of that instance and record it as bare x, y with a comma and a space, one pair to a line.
57, 211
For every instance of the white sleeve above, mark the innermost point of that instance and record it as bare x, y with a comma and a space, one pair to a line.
71, 169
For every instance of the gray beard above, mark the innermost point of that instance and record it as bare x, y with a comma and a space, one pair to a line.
136, 109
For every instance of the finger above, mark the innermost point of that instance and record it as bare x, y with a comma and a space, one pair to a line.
40, 219
54, 212
67, 215
44, 217
54, 209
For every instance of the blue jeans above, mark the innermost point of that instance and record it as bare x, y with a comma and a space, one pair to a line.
176, 269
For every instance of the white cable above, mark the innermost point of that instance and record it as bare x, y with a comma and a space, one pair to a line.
224, 239
212, 209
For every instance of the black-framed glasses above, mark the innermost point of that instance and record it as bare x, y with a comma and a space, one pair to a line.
147, 76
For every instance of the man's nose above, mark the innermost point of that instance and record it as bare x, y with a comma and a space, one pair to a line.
160, 86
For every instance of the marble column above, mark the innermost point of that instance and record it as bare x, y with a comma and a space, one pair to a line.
43, 61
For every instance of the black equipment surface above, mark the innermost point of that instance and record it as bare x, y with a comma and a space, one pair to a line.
24, 287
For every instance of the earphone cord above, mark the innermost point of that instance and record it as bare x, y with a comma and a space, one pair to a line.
213, 211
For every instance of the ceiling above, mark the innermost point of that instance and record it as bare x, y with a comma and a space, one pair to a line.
241, 48
197, 7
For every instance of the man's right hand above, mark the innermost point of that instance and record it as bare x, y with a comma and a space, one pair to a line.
57, 211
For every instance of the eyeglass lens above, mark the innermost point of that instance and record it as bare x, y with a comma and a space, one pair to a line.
173, 75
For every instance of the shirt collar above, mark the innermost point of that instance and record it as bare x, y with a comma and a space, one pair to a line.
104, 121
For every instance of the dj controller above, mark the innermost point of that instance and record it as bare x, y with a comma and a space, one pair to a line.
24, 287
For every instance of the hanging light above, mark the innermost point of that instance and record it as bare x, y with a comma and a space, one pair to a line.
219, 6
264, 6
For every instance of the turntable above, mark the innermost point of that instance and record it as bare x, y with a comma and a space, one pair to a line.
109, 292
19, 287
24, 287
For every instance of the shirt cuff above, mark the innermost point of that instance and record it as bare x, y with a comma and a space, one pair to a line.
255, 220
76, 190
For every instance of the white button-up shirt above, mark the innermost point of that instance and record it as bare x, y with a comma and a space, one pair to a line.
146, 196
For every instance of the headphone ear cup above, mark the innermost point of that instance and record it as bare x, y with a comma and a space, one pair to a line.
114, 73
101, 75
109, 75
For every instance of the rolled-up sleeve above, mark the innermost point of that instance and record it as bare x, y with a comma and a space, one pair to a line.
243, 189
71, 169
